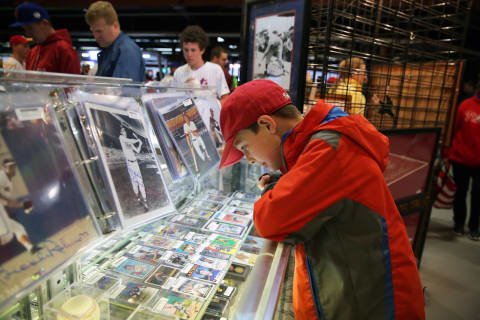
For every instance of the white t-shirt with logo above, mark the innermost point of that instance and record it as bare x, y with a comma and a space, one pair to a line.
11, 63
210, 74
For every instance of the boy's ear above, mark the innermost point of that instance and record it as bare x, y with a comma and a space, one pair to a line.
268, 122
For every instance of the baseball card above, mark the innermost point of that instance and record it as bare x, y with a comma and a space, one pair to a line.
191, 136
197, 237
223, 227
38, 179
250, 197
233, 218
196, 212
210, 262
160, 243
212, 253
102, 281
222, 248
176, 305
130, 162
134, 293
174, 231
199, 272
247, 258
188, 248
252, 244
189, 287
226, 241
176, 259
238, 211
241, 204
206, 205
161, 275
132, 268
144, 253
195, 222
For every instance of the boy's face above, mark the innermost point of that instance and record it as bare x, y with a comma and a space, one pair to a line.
263, 147
192, 54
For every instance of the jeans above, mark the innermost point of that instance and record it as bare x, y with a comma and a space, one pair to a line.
462, 175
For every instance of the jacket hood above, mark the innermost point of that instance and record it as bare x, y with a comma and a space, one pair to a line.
61, 34
355, 127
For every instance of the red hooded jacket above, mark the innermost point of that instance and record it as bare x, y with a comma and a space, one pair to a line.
465, 147
353, 259
55, 54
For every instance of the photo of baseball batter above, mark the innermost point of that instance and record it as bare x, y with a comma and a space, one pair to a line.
190, 133
37, 188
273, 48
129, 161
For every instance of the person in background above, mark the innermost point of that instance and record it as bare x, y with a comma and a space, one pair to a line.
353, 75
120, 56
85, 69
53, 51
20, 47
219, 56
196, 71
464, 155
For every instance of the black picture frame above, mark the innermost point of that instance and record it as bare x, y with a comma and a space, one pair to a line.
261, 12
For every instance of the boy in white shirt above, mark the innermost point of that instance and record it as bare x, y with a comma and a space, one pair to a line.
194, 40
20, 47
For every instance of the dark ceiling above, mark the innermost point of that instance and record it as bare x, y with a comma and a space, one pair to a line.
153, 24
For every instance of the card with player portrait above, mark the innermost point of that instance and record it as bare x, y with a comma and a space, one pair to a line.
175, 305
241, 204
160, 242
175, 259
161, 275
189, 287
39, 178
223, 227
130, 163
206, 205
191, 136
237, 211
210, 262
249, 197
196, 212
233, 218
195, 222
144, 253
132, 268
134, 293
199, 272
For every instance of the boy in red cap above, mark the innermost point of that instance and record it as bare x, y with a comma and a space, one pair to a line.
20, 47
353, 259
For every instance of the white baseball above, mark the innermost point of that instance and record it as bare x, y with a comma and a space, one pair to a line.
80, 307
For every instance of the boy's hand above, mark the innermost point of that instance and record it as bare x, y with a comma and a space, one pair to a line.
263, 181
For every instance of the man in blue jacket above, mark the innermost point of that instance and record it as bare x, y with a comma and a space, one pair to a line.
120, 56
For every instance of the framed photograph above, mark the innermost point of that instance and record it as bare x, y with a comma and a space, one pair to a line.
274, 38
40, 182
129, 162
190, 134
410, 161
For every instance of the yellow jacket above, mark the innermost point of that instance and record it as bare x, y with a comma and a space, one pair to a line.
352, 88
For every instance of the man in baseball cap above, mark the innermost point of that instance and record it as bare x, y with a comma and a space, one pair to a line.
53, 51
20, 47
331, 201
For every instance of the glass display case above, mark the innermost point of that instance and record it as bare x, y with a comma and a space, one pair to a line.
125, 212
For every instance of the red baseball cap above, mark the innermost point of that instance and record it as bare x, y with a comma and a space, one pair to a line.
243, 107
16, 39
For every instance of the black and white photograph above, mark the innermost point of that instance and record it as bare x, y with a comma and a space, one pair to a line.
273, 48
44, 219
192, 137
130, 162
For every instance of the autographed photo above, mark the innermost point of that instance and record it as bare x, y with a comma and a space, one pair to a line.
191, 136
44, 219
273, 48
130, 163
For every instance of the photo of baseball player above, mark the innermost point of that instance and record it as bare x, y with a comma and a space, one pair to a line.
129, 160
44, 219
131, 147
273, 48
190, 134
193, 139
8, 226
